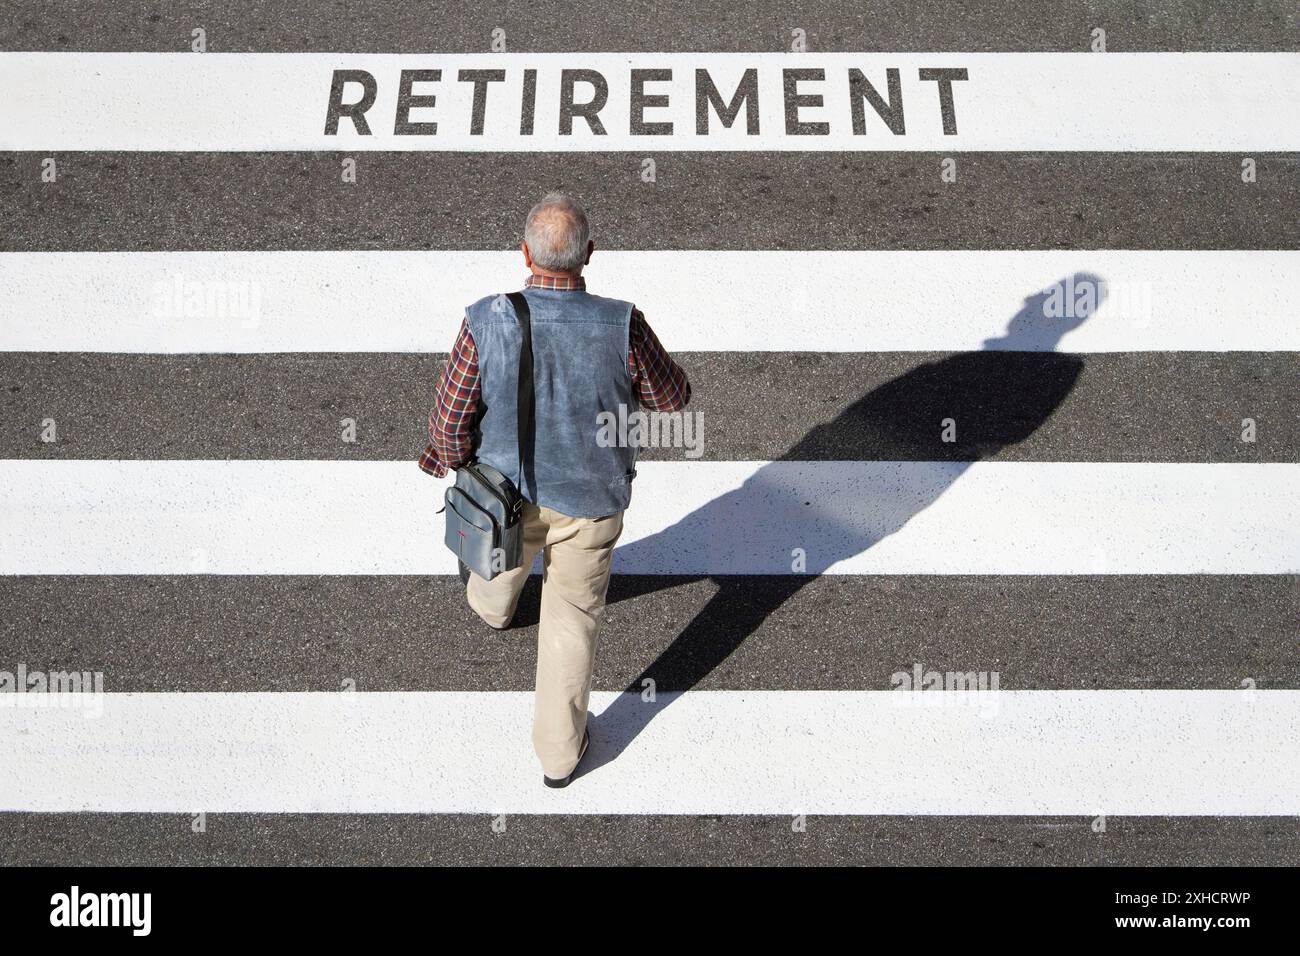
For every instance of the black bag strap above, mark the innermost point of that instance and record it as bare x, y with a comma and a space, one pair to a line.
524, 403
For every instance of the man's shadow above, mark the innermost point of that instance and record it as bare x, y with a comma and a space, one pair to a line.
997, 397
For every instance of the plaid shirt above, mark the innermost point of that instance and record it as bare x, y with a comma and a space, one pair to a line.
657, 381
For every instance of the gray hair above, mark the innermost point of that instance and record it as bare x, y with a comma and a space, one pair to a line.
556, 233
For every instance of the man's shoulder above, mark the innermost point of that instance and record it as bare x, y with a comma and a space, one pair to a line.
612, 303
496, 308
494, 305
607, 310
499, 303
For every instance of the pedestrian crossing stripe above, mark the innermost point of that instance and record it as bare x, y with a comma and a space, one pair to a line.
696, 517
1091, 752
763, 300
805, 101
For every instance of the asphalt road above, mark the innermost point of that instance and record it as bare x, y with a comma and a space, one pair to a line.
222, 634
882, 406
398, 26
275, 201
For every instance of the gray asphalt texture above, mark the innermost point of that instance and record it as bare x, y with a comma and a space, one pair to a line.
833, 632
292, 839
706, 200
879, 406
406, 26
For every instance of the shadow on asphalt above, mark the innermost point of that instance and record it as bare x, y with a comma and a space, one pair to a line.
1000, 396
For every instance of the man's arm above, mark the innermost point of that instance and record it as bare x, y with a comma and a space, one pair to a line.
659, 382
455, 403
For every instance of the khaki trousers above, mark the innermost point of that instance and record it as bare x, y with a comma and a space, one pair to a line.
575, 576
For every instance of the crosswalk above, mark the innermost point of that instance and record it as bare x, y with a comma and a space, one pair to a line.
312, 517
242, 302
1012, 405
1015, 752
523, 102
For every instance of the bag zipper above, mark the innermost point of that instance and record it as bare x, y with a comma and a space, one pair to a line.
512, 512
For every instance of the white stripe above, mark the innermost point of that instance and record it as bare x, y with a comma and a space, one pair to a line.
756, 301
1011, 101
698, 517
1165, 752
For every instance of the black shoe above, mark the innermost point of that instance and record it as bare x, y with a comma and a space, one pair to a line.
555, 784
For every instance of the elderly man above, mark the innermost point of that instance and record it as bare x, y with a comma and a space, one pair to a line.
591, 355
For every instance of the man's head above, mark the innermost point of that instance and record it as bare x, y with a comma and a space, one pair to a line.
556, 236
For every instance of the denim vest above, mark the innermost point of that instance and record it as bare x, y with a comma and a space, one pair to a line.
580, 344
